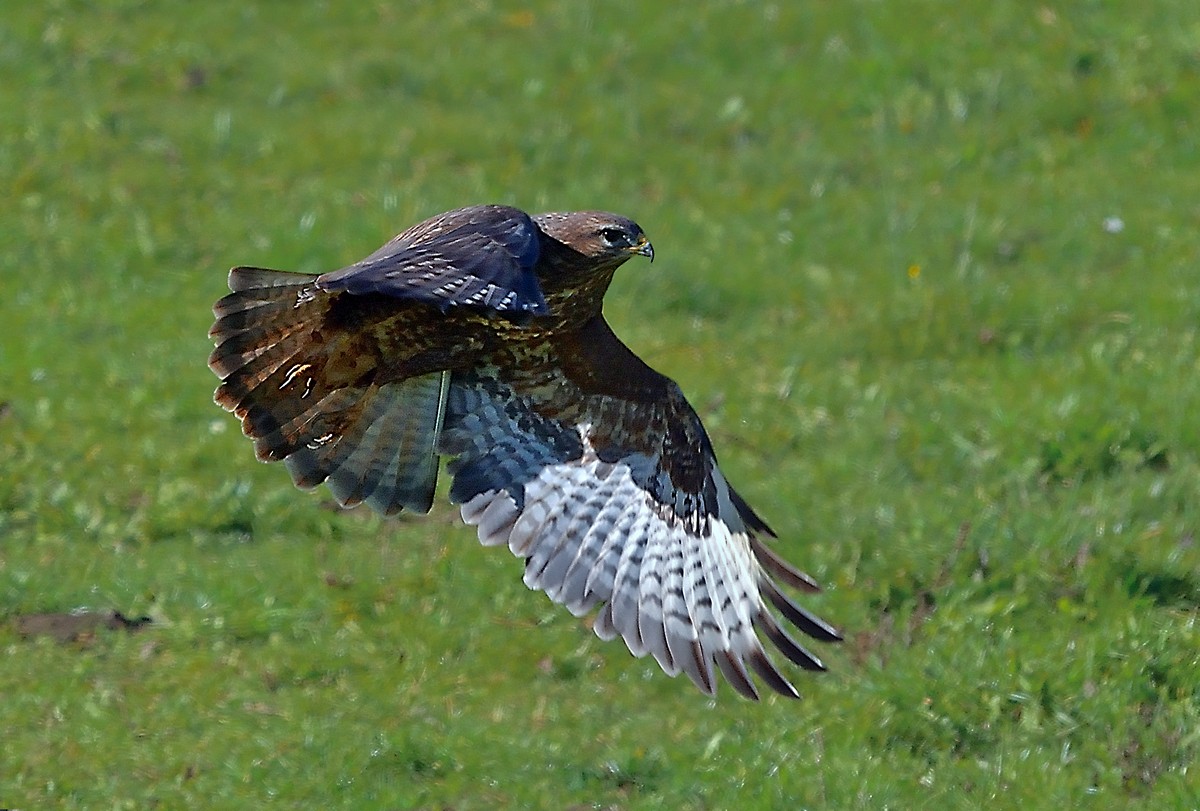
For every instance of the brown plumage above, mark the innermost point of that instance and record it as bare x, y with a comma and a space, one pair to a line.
478, 335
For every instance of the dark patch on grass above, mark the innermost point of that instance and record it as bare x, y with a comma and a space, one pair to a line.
962, 724
638, 773
1166, 588
1084, 453
915, 600
241, 528
314, 676
419, 759
1086, 63
75, 626
1150, 751
568, 668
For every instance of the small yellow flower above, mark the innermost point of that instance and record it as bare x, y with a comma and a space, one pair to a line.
914, 271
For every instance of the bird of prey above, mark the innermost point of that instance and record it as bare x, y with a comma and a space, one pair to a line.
478, 335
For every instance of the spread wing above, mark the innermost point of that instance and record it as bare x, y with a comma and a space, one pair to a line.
481, 256
595, 469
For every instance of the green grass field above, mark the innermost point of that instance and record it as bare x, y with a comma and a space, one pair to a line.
928, 271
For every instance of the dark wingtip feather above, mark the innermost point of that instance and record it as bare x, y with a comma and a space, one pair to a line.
810, 624
752, 519
767, 671
735, 673
701, 671
789, 647
779, 567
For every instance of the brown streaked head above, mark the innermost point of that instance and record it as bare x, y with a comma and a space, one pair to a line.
597, 235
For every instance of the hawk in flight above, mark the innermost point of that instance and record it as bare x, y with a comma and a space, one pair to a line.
478, 335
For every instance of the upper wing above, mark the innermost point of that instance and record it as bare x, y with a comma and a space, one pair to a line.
481, 256
596, 470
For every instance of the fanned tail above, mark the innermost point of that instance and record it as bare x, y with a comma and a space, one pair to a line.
284, 374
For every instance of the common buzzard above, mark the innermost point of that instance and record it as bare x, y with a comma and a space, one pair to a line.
478, 335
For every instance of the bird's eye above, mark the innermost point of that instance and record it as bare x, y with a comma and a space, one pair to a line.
613, 236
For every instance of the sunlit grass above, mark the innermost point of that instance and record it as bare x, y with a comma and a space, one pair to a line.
927, 272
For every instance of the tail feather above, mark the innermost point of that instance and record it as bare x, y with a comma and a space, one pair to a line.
265, 308
370, 441
257, 358
237, 312
278, 436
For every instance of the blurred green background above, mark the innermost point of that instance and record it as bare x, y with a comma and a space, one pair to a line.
927, 271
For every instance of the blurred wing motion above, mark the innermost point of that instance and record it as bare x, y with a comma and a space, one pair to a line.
567, 448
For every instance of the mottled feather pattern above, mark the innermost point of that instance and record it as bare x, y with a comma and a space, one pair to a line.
477, 335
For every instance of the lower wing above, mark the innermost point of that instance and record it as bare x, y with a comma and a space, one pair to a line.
639, 523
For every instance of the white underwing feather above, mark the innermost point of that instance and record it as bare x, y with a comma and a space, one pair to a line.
683, 590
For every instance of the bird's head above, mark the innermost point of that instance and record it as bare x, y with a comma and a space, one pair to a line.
607, 239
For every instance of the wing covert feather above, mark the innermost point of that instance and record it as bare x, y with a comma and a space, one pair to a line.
481, 256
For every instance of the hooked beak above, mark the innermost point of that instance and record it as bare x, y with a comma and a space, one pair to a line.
643, 248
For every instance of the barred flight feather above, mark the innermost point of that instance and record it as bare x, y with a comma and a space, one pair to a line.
593, 536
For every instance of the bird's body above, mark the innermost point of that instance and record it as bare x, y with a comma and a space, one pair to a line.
478, 334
